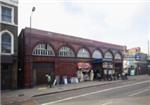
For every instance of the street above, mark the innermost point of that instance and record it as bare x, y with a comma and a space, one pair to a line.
119, 93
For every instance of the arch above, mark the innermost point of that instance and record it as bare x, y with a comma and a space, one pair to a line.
66, 51
97, 54
43, 49
7, 42
108, 54
118, 56
83, 53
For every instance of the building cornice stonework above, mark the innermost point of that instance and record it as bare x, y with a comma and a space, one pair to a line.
11, 2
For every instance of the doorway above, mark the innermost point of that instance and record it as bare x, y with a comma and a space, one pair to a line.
6, 76
39, 72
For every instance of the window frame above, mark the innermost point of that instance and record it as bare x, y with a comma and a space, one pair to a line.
12, 42
12, 14
117, 57
99, 53
108, 57
64, 53
39, 50
82, 54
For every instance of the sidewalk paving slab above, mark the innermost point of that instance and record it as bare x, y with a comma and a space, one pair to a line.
23, 95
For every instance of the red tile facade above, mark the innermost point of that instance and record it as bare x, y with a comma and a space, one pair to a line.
29, 38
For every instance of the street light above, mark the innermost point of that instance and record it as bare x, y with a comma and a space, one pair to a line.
33, 9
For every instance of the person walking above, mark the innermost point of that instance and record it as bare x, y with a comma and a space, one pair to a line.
49, 80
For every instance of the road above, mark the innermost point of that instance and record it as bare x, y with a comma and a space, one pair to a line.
121, 93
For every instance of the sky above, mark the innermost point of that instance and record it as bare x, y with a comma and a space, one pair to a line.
122, 22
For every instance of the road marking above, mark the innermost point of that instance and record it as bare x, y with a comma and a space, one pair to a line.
83, 95
107, 103
138, 92
135, 91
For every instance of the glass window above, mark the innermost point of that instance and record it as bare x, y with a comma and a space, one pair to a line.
6, 43
108, 55
83, 53
117, 56
43, 50
6, 14
66, 52
97, 54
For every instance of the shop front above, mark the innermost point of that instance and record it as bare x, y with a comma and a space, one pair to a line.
108, 69
65, 72
84, 72
97, 68
118, 66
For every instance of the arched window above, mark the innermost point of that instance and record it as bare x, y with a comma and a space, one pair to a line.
108, 55
66, 52
97, 54
43, 50
7, 43
83, 53
117, 56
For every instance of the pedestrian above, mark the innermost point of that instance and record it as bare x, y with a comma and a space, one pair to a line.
98, 76
105, 74
110, 75
91, 75
79, 75
49, 80
123, 76
118, 75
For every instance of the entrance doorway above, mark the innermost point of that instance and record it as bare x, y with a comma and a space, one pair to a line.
97, 68
6, 76
39, 72
118, 68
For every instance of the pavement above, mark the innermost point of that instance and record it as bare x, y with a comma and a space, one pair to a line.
24, 96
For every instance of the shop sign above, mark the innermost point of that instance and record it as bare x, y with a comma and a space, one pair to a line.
140, 57
137, 57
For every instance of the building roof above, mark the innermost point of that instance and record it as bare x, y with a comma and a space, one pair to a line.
72, 39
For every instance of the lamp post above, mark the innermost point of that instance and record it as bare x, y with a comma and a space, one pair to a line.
30, 61
33, 9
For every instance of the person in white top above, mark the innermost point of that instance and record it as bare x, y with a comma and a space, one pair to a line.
91, 75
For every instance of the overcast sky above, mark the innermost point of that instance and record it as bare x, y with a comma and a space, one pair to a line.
123, 22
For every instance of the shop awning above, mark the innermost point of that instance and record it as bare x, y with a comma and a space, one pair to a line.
107, 60
84, 65
97, 61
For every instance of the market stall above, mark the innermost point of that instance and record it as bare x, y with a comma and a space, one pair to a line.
83, 72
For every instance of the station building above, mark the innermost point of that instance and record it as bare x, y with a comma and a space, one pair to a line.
42, 52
